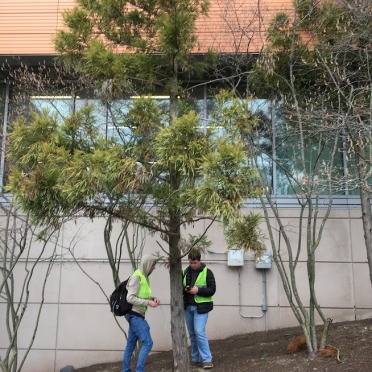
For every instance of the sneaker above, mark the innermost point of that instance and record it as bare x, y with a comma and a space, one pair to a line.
207, 365
195, 364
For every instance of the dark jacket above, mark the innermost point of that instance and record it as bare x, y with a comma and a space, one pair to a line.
207, 291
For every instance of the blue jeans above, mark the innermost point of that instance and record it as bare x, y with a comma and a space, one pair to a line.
138, 330
199, 343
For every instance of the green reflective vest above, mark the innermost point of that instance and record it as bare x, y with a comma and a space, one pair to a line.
144, 291
201, 281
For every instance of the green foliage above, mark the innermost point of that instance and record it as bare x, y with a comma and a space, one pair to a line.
244, 232
72, 43
198, 243
181, 146
159, 36
227, 180
327, 21
233, 114
72, 168
79, 131
144, 119
177, 36
280, 33
303, 52
24, 147
161, 168
285, 67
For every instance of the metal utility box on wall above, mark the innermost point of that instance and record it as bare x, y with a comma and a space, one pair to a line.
235, 257
263, 261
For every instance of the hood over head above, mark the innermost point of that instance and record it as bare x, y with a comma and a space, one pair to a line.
146, 263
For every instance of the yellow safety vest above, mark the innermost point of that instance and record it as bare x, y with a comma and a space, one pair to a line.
201, 281
144, 291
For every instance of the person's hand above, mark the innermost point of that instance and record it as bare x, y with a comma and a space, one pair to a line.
193, 290
152, 303
157, 301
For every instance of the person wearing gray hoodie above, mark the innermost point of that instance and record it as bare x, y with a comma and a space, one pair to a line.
139, 295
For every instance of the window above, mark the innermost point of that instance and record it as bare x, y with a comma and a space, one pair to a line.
306, 160
277, 143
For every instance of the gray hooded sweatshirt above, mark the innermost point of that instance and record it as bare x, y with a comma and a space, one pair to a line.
134, 284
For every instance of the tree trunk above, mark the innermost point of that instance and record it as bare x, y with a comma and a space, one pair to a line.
323, 340
178, 329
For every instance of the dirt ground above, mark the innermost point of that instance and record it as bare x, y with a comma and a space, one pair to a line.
263, 351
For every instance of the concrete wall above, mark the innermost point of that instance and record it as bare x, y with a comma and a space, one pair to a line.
76, 326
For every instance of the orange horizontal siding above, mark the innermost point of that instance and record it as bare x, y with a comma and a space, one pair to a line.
27, 27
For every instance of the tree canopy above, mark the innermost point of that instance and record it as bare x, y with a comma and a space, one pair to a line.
162, 168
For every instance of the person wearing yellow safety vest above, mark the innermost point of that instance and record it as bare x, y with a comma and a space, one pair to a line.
199, 286
139, 295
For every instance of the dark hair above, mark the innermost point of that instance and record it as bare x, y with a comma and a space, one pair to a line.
194, 255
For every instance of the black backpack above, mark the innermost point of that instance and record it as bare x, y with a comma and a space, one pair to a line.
118, 300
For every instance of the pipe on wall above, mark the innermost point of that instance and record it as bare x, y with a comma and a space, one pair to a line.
264, 299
